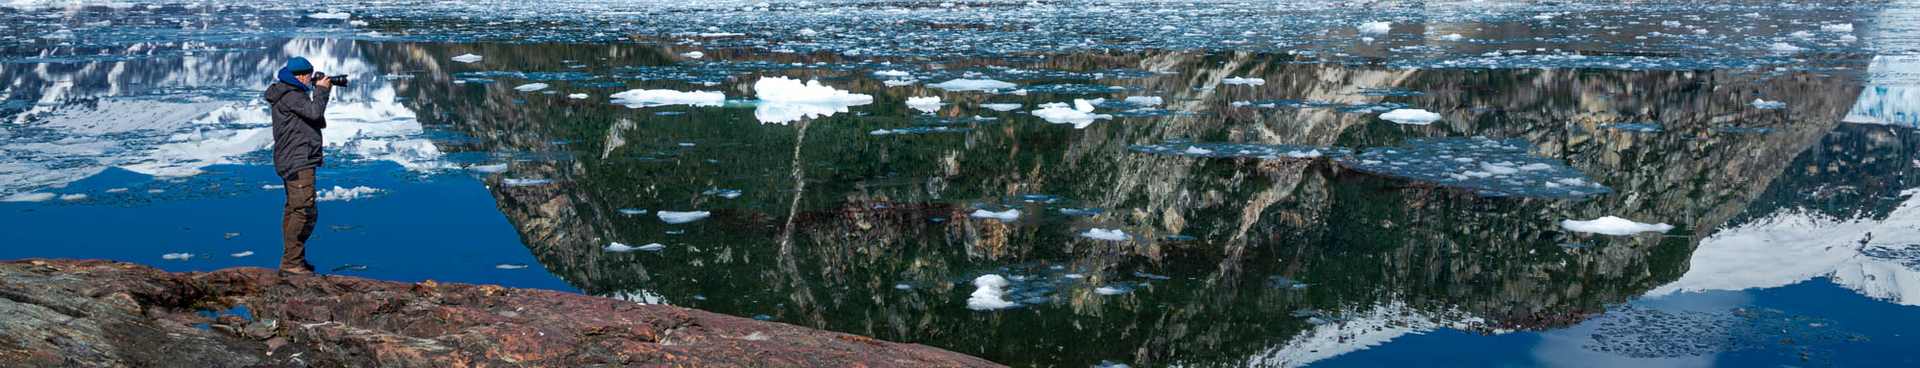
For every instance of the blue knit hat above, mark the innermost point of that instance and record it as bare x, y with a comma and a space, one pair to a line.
299, 65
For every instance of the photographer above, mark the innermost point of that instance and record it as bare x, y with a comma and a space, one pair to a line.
299, 99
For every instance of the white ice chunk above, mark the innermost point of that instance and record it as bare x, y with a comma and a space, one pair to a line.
1768, 105
1106, 234
1080, 115
694, 54
973, 85
1610, 225
530, 87
73, 197
928, 104
1453, 37
488, 169
579, 96
1109, 290
1837, 27
1411, 116
468, 58
28, 197
177, 256
641, 98
892, 74
347, 194
1785, 47
782, 89
331, 15
1247, 81
242, 254
681, 217
1008, 215
989, 294
1145, 100
1001, 106
1196, 150
1375, 27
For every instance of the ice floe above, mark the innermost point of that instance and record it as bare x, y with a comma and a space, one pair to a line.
784, 100
1486, 166
1239, 150
331, 15
345, 194
1080, 114
525, 182
1003, 107
1411, 116
928, 104
1768, 105
989, 293
468, 58
530, 87
579, 96
242, 254
1610, 225
1375, 28
694, 54
28, 197
681, 217
642, 98
73, 197
1243, 81
1006, 215
177, 256
961, 85
1106, 234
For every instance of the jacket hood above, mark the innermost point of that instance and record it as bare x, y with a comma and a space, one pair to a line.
286, 76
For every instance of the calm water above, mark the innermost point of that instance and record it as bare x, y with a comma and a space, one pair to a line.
1207, 221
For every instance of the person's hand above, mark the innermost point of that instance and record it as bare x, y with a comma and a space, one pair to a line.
324, 83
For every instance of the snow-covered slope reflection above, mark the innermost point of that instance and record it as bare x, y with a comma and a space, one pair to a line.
173, 117
1879, 258
1332, 337
1892, 95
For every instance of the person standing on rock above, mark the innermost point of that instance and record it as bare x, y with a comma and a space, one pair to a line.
299, 113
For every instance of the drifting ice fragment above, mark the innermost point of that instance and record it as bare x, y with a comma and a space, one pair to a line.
579, 96
785, 100
640, 98
530, 87
681, 217
331, 15
960, 85
694, 54
1001, 106
892, 74
618, 247
632, 211
927, 104
347, 194
1610, 225
1786, 47
73, 197
1375, 27
468, 58
1144, 100
1106, 234
177, 256
1080, 115
1243, 81
652, 247
1008, 215
1768, 105
524, 182
28, 197
989, 294
488, 169
242, 254
1411, 116
1112, 290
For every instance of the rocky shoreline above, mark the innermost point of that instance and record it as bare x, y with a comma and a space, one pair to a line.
89, 313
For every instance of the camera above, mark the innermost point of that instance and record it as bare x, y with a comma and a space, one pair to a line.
337, 80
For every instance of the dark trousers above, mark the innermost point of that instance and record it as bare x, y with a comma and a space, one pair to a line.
296, 222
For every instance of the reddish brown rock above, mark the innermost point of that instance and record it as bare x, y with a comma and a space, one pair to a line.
108, 314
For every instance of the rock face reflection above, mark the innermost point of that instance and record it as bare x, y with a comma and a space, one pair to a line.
1231, 261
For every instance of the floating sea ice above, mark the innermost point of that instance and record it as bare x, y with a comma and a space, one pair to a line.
1768, 105
242, 254
1453, 37
468, 58
990, 293
524, 182
511, 266
177, 256
651, 247
632, 211
28, 197
723, 193
1001, 106
892, 74
808, 32
927, 104
1837, 27
347, 194
530, 87
1610, 225
1411, 116
1112, 290
1145, 100
1785, 47
73, 197
618, 247
579, 96
117, 190
681, 217
641, 98
488, 169
959, 85
331, 15
1080, 115
782, 89
1243, 81
1007, 215
1470, 163
898, 82
1375, 27
694, 54
1106, 234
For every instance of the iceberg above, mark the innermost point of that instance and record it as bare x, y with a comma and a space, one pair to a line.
28, 197
468, 58
1411, 116
331, 15
694, 54
929, 104
1080, 115
962, 85
1768, 105
177, 256
1243, 81
989, 293
1145, 100
1008, 215
784, 100
641, 98
1106, 234
1375, 28
681, 217
579, 96
530, 87
892, 74
1002, 107
347, 194
1611, 225
242, 254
